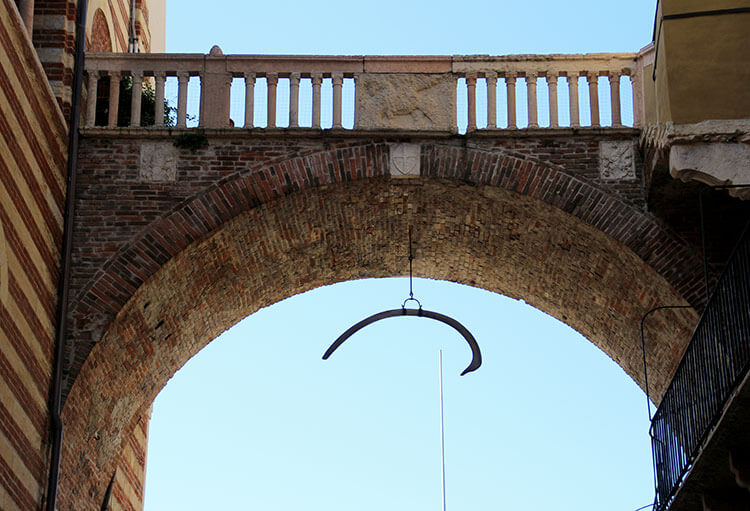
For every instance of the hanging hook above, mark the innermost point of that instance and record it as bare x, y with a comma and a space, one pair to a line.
476, 355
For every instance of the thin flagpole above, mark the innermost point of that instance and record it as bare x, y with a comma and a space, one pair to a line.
442, 427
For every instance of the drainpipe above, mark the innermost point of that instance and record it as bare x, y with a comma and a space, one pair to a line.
133, 41
64, 283
26, 8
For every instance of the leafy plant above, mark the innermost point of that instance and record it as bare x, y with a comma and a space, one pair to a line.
148, 105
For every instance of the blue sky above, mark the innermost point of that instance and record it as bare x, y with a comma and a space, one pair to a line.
258, 421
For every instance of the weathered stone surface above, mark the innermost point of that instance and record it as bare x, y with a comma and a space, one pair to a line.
404, 160
616, 160
712, 163
406, 101
158, 162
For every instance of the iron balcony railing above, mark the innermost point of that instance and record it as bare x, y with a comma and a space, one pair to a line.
716, 360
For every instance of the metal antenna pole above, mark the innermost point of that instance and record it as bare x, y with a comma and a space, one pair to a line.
411, 258
442, 426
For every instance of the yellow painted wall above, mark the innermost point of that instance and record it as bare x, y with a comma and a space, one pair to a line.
703, 63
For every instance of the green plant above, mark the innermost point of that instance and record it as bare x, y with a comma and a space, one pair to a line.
148, 105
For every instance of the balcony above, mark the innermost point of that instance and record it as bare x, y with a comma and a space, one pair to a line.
451, 94
701, 429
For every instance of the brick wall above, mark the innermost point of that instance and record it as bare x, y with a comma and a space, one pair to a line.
117, 250
216, 266
128, 490
32, 159
171, 247
54, 36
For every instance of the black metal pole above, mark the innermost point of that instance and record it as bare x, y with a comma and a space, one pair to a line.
64, 284
108, 493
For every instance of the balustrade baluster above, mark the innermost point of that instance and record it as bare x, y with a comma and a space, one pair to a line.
249, 99
471, 89
338, 80
114, 98
135, 105
317, 79
575, 117
614, 90
552, 89
272, 80
91, 98
593, 79
510, 83
531, 99
636, 86
491, 78
294, 100
182, 90
159, 79
356, 101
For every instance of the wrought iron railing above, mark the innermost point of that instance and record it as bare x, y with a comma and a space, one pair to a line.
716, 360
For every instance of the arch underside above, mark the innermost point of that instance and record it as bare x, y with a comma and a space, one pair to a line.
478, 235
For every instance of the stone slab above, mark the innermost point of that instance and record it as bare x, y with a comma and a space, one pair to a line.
158, 162
405, 160
406, 101
616, 160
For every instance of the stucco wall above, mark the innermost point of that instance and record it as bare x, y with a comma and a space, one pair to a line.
702, 61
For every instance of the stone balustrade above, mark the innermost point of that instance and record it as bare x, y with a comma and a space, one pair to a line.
390, 93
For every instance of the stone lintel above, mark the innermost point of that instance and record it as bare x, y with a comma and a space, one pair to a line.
408, 64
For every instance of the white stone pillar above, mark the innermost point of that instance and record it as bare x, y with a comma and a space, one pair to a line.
510, 82
114, 98
531, 100
471, 89
294, 100
249, 99
135, 104
575, 116
491, 78
182, 89
554, 122
614, 92
338, 80
317, 79
273, 80
91, 98
636, 77
159, 79
593, 79
356, 101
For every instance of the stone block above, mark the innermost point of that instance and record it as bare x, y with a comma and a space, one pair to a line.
405, 160
406, 101
616, 160
158, 162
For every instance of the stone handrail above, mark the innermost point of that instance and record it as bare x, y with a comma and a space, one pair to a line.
391, 92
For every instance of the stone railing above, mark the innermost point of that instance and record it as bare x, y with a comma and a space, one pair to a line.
401, 93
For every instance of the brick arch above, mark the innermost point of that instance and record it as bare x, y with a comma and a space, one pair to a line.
482, 235
112, 282
100, 37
